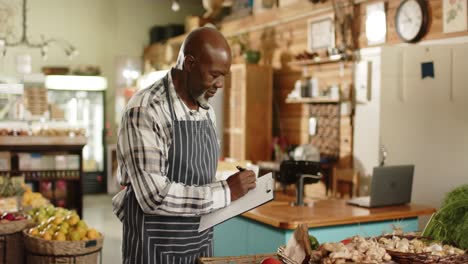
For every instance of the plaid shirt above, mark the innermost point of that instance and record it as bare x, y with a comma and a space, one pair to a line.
144, 139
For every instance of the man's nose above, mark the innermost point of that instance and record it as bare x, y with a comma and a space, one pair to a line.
219, 84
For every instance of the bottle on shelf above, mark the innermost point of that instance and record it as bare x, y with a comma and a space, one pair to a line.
313, 87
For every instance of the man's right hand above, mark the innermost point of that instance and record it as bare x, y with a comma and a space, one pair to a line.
240, 183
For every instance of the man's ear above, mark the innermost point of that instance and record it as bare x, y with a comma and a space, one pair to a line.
189, 62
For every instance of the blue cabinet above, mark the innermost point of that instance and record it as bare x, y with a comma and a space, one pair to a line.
241, 236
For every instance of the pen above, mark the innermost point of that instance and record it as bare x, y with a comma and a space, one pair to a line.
240, 168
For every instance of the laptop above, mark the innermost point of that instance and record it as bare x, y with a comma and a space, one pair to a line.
391, 185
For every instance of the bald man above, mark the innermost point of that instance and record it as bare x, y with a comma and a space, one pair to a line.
168, 153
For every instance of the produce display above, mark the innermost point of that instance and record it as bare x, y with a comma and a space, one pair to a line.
10, 191
357, 249
15, 216
33, 199
415, 245
11, 186
397, 247
55, 223
450, 224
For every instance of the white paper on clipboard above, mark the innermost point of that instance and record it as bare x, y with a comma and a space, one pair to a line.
262, 193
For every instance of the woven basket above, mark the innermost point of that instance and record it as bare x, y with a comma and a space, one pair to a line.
251, 259
14, 226
12, 248
408, 258
41, 251
11, 241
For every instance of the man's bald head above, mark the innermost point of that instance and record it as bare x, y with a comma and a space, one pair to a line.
204, 60
202, 44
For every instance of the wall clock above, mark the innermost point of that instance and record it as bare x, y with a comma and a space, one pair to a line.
412, 20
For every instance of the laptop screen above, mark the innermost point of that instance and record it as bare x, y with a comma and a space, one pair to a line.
391, 185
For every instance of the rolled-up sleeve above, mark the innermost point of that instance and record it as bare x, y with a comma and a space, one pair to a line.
143, 150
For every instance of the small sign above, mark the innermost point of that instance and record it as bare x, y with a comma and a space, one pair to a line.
90, 243
427, 70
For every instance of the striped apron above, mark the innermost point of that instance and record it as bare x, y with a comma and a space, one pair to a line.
192, 159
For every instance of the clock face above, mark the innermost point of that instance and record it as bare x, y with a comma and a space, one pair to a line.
411, 20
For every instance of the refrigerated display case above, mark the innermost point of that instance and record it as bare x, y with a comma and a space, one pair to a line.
80, 101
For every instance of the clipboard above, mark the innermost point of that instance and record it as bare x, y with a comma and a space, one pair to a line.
262, 193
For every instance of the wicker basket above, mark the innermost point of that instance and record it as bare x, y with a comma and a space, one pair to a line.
251, 259
11, 241
41, 251
408, 258
14, 226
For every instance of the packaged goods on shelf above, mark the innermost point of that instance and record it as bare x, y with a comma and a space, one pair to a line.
5, 159
60, 190
46, 189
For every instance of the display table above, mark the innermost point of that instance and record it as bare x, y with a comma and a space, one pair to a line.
269, 226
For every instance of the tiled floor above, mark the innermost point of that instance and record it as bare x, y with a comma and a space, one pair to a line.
97, 212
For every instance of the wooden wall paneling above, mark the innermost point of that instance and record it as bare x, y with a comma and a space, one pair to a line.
226, 116
301, 9
234, 107
293, 117
259, 105
435, 30
277, 14
249, 112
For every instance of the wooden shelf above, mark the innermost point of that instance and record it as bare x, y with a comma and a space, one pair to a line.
51, 179
41, 141
318, 61
314, 100
48, 144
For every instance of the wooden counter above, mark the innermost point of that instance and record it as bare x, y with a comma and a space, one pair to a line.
329, 213
271, 225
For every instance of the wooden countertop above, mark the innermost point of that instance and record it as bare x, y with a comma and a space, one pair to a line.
279, 213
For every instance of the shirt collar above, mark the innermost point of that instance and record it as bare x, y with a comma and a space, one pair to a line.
175, 96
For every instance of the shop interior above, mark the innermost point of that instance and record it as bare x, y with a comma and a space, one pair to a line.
332, 99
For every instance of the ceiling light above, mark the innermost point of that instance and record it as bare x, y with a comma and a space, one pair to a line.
75, 83
175, 5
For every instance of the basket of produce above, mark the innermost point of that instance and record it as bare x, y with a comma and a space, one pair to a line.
15, 222
61, 238
413, 249
449, 224
11, 191
11, 239
32, 199
250, 259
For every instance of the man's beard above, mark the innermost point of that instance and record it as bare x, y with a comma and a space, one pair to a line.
202, 101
